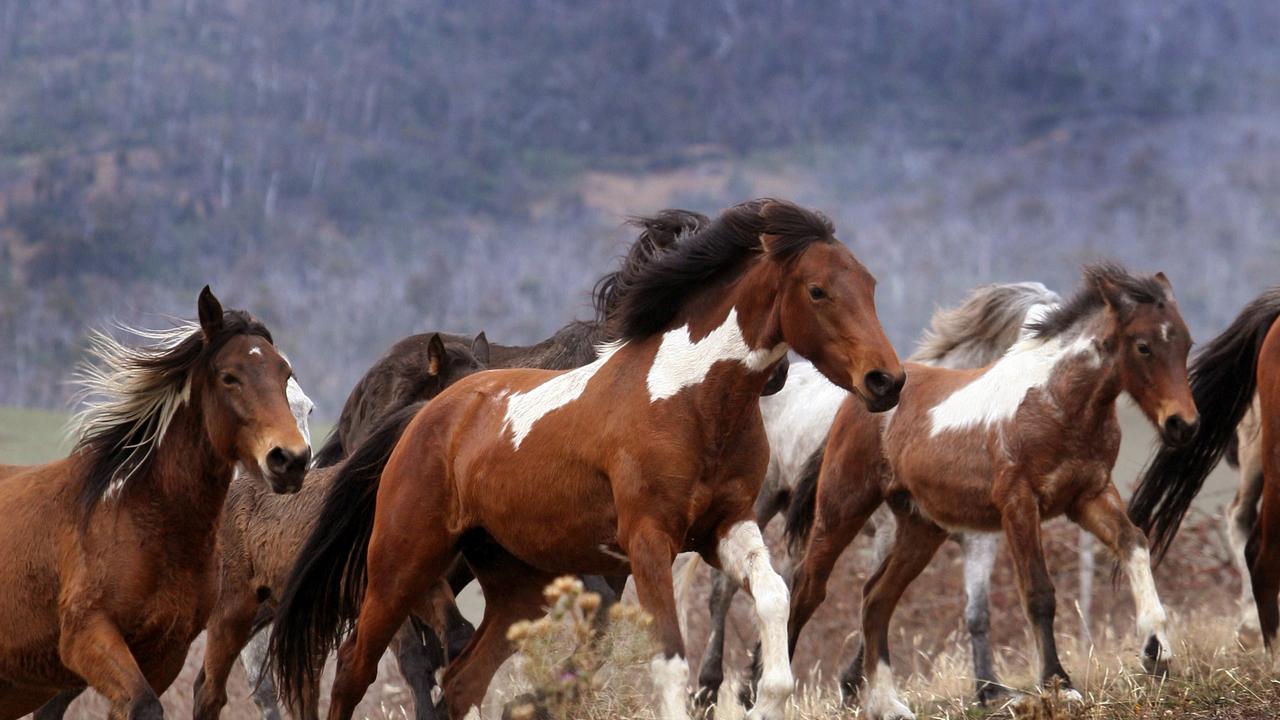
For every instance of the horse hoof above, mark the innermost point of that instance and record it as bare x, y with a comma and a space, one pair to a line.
991, 694
704, 700
1155, 667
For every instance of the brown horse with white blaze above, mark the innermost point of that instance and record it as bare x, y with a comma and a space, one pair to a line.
108, 570
1003, 448
656, 447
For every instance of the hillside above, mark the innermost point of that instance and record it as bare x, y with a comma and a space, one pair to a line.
355, 171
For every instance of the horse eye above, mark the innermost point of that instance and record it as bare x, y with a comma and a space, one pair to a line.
817, 293
230, 380
1143, 348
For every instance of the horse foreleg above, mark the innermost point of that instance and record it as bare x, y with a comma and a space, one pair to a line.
228, 631
979, 560
93, 648
652, 551
1021, 520
916, 540
745, 559
1104, 516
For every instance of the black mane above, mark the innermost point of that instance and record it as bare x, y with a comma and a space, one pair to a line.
648, 295
123, 446
1088, 299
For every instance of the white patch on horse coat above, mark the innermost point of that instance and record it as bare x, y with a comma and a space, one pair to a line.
670, 680
680, 362
1151, 615
882, 702
301, 406
526, 408
996, 395
745, 559
796, 421
255, 350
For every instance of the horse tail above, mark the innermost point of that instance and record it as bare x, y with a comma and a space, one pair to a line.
331, 453
983, 327
803, 507
322, 597
1223, 378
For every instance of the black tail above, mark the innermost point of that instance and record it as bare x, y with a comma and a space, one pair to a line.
804, 503
331, 453
1223, 379
322, 599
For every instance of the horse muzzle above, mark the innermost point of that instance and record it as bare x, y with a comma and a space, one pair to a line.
284, 469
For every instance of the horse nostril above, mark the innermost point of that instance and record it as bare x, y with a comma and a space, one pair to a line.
878, 383
284, 462
1177, 429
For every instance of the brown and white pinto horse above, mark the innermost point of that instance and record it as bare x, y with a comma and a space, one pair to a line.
1004, 448
1238, 364
108, 571
654, 448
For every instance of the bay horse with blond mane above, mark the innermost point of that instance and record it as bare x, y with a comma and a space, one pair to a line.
654, 448
1003, 448
1236, 370
108, 570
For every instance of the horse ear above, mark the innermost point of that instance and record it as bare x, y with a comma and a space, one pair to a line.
767, 242
435, 354
1164, 282
1112, 295
480, 348
210, 313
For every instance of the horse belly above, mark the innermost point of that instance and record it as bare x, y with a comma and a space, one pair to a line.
560, 518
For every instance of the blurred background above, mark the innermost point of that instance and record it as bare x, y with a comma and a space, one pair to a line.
357, 171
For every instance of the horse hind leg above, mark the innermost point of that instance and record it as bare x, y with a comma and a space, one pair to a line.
711, 673
1265, 564
57, 707
916, 540
513, 591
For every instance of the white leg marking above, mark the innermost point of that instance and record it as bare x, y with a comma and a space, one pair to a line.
670, 681
1238, 539
472, 714
1151, 615
979, 560
745, 559
882, 701
1086, 584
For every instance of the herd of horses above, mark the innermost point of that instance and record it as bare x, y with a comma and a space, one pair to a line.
674, 421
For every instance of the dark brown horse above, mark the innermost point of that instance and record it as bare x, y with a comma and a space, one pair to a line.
1241, 362
655, 447
108, 565
262, 533
1003, 448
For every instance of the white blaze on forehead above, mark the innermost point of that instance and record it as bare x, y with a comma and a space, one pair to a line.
526, 408
1164, 332
301, 406
255, 350
680, 362
997, 393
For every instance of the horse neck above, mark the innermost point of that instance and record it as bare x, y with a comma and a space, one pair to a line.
186, 483
1087, 383
750, 302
